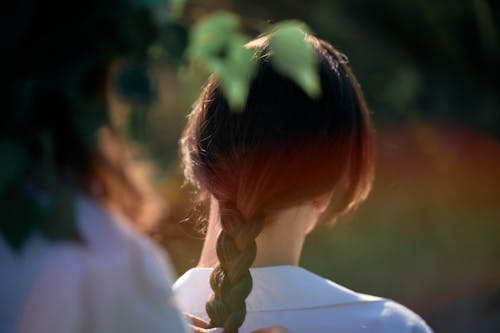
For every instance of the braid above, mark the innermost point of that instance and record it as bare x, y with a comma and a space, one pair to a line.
231, 280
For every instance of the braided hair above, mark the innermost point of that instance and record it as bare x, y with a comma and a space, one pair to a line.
283, 149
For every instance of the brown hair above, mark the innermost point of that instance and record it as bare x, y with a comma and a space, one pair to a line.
282, 149
120, 180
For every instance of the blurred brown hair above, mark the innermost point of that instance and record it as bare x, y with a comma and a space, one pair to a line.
57, 57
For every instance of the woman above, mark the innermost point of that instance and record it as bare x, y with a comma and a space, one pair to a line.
74, 203
272, 171
72, 256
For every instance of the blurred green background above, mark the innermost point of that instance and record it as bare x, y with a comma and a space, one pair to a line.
429, 234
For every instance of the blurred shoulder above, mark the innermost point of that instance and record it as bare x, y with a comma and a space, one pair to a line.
395, 317
113, 246
112, 261
115, 280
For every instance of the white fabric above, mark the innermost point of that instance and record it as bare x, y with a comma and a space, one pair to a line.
302, 302
117, 281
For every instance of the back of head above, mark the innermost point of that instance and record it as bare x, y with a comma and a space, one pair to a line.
56, 60
283, 149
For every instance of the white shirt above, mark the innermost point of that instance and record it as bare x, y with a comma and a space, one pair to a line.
117, 281
302, 302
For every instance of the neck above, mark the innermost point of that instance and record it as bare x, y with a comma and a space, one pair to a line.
279, 243
208, 257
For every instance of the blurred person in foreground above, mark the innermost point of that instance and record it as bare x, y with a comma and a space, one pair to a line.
74, 201
271, 171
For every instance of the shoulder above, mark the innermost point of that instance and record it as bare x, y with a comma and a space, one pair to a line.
394, 317
110, 241
116, 280
384, 314
130, 278
56, 291
328, 302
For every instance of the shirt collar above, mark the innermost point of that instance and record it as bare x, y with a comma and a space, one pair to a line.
275, 288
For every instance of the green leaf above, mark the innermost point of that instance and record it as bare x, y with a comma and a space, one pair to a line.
133, 84
211, 36
294, 57
486, 26
217, 43
49, 169
176, 8
13, 162
235, 72
59, 220
20, 214
150, 3
91, 116
172, 43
